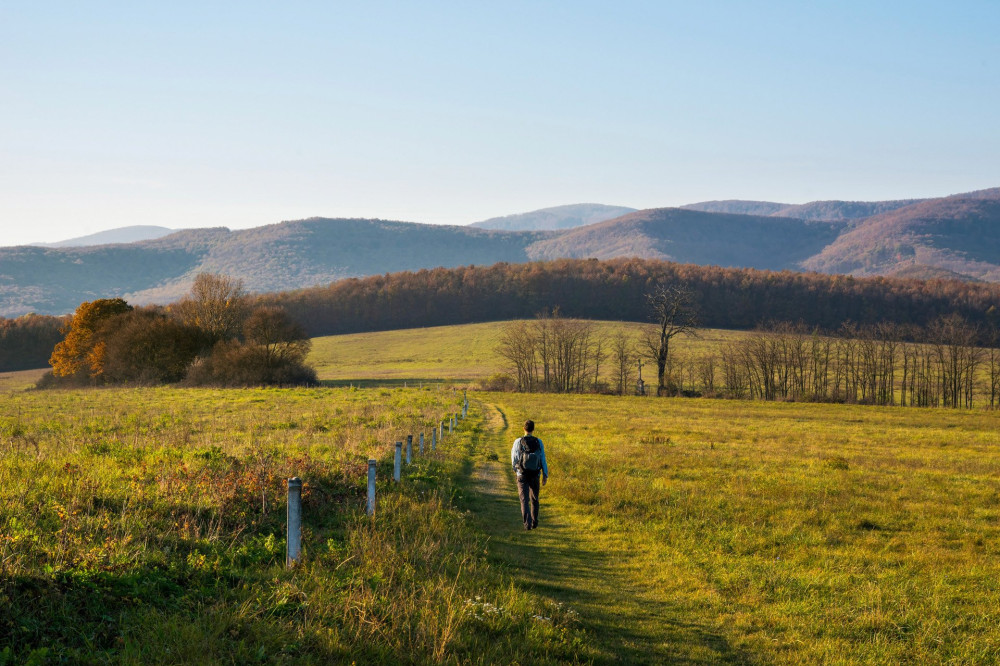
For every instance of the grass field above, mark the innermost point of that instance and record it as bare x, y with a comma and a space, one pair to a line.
697, 531
18, 381
147, 526
463, 353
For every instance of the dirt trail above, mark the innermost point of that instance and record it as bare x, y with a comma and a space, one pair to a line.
574, 559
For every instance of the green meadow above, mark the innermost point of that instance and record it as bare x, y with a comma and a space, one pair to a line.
702, 531
464, 353
147, 525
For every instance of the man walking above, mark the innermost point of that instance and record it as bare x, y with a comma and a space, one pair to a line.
527, 456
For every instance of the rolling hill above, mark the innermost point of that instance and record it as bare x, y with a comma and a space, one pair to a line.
959, 234
131, 234
943, 238
688, 236
281, 256
818, 211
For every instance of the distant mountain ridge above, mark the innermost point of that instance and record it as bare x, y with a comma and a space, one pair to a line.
132, 234
557, 217
695, 237
817, 211
944, 238
959, 234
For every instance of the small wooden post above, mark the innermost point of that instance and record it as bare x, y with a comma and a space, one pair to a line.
371, 487
409, 449
421, 442
294, 535
397, 462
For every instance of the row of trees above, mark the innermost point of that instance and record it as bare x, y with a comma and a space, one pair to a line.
870, 364
617, 290
553, 354
215, 336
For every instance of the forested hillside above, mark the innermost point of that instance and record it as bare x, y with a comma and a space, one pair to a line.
950, 237
616, 290
673, 234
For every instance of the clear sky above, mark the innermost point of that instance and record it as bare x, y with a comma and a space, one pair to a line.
240, 114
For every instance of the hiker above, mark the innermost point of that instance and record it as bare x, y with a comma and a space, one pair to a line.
527, 456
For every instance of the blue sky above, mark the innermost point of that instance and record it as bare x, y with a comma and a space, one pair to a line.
241, 114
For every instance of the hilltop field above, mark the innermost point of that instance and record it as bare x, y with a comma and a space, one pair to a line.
147, 525
464, 353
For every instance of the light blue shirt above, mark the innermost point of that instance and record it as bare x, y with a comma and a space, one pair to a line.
515, 451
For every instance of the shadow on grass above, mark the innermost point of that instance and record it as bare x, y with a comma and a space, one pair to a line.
629, 622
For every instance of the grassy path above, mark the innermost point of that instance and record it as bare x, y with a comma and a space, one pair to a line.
576, 559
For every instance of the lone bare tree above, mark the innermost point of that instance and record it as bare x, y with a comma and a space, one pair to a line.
672, 308
217, 304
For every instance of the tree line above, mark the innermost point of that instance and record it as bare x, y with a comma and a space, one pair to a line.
868, 364
215, 336
865, 364
617, 289
27, 342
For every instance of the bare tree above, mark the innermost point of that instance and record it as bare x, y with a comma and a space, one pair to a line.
217, 304
518, 345
672, 309
624, 357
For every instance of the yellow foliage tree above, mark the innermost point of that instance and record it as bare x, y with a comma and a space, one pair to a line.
80, 350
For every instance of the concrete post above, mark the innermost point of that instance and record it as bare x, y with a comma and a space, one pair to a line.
434, 439
421, 442
451, 423
441, 435
397, 462
294, 535
371, 487
409, 449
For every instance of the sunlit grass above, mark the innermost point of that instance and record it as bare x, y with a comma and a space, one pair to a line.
791, 533
147, 526
463, 353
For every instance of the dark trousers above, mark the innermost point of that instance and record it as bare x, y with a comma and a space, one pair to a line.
527, 490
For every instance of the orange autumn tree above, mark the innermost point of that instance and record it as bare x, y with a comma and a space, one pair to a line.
81, 350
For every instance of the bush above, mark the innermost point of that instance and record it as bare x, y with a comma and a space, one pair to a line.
233, 364
501, 381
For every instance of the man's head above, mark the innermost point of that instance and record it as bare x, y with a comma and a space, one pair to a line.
529, 426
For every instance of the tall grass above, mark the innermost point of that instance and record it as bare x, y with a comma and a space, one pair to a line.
147, 526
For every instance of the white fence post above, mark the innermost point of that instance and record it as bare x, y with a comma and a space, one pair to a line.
409, 449
294, 535
371, 487
397, 462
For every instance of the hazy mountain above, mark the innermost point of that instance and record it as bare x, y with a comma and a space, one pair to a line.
131, 234
558, 217
696, 237
960, 234
956, 236
288, 255
819, 211
738, 207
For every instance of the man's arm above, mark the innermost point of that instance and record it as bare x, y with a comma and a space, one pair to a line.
514, 454
545, 465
